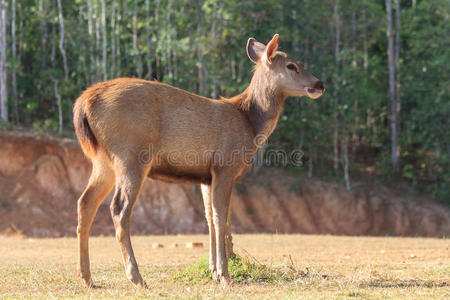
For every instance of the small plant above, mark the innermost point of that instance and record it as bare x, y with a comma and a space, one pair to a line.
195, 272
242, 270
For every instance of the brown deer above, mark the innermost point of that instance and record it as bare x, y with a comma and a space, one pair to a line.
131, 128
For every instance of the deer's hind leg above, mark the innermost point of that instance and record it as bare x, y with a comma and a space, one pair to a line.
100, 184
129, 180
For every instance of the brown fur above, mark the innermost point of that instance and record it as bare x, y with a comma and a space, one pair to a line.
83, 129
132, 128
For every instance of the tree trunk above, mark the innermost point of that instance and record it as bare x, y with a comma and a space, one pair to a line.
213, 46
200, 73
233, 68
55, 82
356, 139
58, 102
61, 40
118, 62
91, 37
137, 56
391, 67
345, 160
3, 87
174, 63
149, 42
97, 40
43, 13
169, 40
53, 46
20, 29
366, 56
16, 63
104, 58
240, 72
354, 59
113, 38
336, 88
310, 165
157, 61
199, 64
397, 66
52, 59
84, 53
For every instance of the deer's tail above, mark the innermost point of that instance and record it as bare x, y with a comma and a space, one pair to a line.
83, 130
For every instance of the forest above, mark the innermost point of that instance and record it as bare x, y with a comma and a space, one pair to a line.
385, 64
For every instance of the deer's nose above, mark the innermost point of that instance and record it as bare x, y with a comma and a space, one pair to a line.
319, 86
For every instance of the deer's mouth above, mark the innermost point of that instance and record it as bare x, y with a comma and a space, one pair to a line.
313, 93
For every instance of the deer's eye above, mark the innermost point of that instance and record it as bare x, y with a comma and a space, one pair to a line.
292, 67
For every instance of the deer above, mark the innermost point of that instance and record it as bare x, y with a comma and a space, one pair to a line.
116, 121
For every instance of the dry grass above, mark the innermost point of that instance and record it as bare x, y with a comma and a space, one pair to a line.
303, 266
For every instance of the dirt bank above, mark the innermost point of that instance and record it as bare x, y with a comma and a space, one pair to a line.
42, 177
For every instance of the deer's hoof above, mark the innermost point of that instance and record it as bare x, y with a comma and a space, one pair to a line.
87, 281
142, 285
138, 282
214, 276
224, 281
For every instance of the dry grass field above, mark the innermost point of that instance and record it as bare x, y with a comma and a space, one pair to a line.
302, 267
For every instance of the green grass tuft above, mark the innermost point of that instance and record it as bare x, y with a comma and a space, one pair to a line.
195, 272
242, 270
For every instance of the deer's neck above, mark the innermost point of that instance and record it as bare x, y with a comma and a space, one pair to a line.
264, 119
263, 107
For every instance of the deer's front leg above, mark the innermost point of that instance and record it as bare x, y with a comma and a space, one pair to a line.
206, 194
221, 193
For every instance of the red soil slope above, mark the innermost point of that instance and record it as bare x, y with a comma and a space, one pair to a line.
42, 177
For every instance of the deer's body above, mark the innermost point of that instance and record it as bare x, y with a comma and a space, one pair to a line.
184, 130
132, 128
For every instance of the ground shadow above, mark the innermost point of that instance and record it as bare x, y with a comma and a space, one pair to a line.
404, 284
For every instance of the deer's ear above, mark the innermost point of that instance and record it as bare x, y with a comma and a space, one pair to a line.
271, 49
255, 50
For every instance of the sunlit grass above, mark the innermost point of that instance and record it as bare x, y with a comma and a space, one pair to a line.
270, 267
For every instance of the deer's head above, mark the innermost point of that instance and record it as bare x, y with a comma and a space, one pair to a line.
280, 72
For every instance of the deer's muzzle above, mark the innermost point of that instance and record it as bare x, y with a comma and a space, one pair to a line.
316, 90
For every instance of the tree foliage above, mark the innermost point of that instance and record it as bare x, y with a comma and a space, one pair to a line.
200, 46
